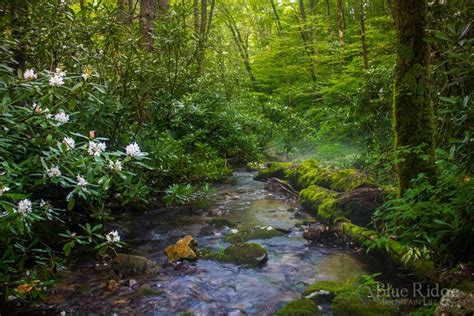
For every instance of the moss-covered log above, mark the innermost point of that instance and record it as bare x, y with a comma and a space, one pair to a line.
412, 108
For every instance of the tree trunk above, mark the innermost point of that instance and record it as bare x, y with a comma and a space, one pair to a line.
147, 24
196, 17
242, 49
204, 29
362, 35
19, 20
307, 41
277, 16
328, 8
124, 12
341, 26
412, 108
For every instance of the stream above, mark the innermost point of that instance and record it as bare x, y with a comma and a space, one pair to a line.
206, 287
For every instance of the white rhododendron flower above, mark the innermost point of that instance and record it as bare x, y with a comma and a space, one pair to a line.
61, 117
115, 165
133, 150
95, 149
30, 74
81, 181
57, 79
43, 203
86, 72
53, 172
36, 108
24, 207
70, 142
3, 190
112, 237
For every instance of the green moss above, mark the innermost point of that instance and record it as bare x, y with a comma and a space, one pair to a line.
313, 196
424, 311
423, 268
348, 180
274, 170
222, 222
248, 254
310, 172
466, 286
303, 307
327, 210
327, 285
350, 304
144, 292
251, 234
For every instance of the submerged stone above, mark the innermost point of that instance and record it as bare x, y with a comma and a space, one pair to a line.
302, 307
323, 291
184, 249
222, 222
248, 254
132, 264
253, 233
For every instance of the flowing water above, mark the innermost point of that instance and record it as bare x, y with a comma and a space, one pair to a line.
206, 287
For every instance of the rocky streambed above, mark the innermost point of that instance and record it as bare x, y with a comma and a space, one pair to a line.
209, 286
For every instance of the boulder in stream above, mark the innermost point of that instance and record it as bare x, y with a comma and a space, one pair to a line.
184, 249
132, 264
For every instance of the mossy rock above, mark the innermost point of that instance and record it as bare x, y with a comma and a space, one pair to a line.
310, 172
313, 196
274, 170
349, 179
222, 222
252, 234
247, 254
145, 292
350, 304
302, 307
324, 291
131, 264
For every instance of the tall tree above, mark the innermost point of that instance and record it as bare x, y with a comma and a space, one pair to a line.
412, 107
307, 40
242, 44
277, 16
341, 27
205, 23
147, 23
19, 24
362, 35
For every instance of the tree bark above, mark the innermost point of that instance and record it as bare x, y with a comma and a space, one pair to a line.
242, 49
147, 24
307, 40
277, 16
19, 24
412, 107
124, 12
341, 27
362, 35
197, 22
